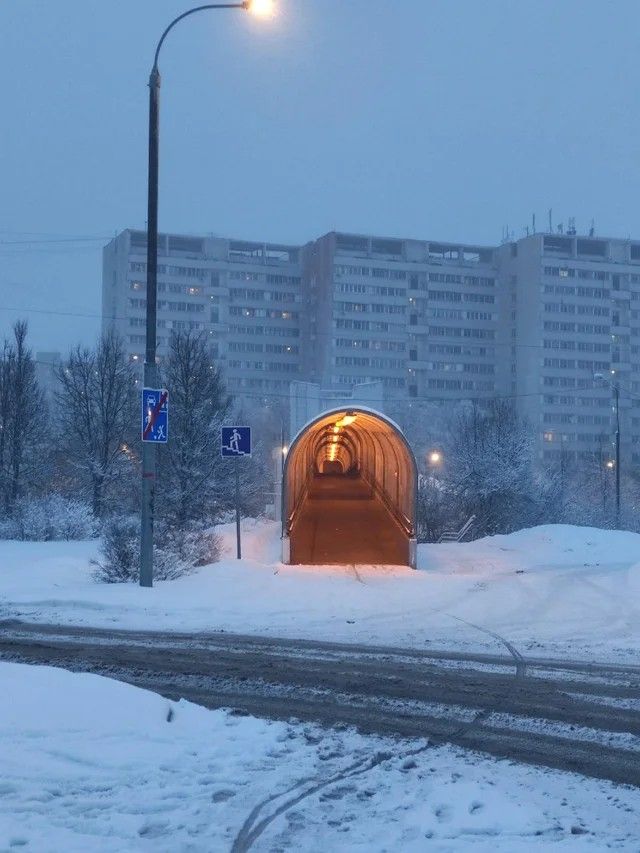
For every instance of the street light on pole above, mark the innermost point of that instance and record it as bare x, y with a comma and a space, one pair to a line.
262, 8
616, 392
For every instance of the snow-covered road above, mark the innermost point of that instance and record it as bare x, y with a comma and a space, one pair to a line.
569, 716
554, 591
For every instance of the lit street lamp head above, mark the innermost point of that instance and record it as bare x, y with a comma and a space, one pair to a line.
435, 457
260, 8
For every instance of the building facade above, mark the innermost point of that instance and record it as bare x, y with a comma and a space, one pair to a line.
573, 320
550, 320
246, 296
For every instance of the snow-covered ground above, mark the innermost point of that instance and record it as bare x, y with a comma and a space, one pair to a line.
89, 764
554, 590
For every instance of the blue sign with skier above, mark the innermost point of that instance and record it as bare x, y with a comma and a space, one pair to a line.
155, 415
235, 441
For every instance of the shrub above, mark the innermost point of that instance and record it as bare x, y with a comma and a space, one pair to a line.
50, 518
177, 553
9, 529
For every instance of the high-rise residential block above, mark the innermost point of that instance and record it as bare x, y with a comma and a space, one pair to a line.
550, 320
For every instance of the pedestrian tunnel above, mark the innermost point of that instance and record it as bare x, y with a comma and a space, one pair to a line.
349, 492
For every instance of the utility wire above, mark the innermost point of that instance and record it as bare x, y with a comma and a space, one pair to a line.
39, 241
472, 342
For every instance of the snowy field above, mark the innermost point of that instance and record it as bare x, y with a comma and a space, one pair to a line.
554, 590
90, 764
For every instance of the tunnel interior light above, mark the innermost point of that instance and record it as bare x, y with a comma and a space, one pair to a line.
346, 420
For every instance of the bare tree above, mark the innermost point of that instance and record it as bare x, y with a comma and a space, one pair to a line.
96, 400
23, 418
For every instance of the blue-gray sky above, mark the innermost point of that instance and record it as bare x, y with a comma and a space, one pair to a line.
436, 119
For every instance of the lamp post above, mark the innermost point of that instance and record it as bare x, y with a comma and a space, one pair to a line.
258, 7
616, 393
616, 389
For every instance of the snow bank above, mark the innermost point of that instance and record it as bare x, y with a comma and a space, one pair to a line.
556, 590
90, 764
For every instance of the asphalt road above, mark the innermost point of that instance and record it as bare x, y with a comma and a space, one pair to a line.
576, 716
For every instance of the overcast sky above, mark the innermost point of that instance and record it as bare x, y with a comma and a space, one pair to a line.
434, 119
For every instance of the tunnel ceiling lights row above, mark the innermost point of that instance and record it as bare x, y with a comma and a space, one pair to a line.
333, 447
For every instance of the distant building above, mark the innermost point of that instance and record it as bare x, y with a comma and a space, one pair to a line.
46, 363
246, 296
308, 400
572, 310
532, 319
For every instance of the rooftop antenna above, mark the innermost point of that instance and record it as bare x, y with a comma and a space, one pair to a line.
533, 223
592, 229
550, 220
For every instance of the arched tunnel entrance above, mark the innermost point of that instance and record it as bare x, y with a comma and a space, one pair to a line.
349, 492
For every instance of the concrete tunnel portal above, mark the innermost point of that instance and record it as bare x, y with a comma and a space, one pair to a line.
349, 492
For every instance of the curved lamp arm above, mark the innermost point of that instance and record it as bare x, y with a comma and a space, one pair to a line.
246, 4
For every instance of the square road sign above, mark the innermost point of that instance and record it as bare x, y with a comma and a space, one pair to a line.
235, 441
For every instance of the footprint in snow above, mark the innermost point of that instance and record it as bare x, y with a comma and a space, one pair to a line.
443, 813
222, 796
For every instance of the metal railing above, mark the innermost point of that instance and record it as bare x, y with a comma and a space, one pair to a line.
457, 535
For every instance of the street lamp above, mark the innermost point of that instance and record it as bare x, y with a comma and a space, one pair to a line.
435, 457
261, 8
258, 7
611, 464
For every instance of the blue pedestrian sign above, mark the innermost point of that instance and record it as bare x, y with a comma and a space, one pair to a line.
155, 415
235, 441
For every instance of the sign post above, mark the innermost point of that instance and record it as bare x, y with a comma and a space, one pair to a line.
238, 541
235, 441
154, 430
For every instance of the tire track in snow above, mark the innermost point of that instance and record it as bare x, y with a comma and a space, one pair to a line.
253, 827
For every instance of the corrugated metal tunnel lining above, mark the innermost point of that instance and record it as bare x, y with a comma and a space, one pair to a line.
349, 491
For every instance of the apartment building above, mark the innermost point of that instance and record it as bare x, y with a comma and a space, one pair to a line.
420, 317
534, 320
573, 314
246, 296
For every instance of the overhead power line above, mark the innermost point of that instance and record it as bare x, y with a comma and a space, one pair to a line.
471, 342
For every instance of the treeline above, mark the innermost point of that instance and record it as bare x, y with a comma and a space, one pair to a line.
487, 465
70, 459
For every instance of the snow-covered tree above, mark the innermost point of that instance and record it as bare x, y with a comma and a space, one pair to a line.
190, 462
96, 399
489, 467
23, 419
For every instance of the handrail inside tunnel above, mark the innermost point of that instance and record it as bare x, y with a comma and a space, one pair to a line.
370, 449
